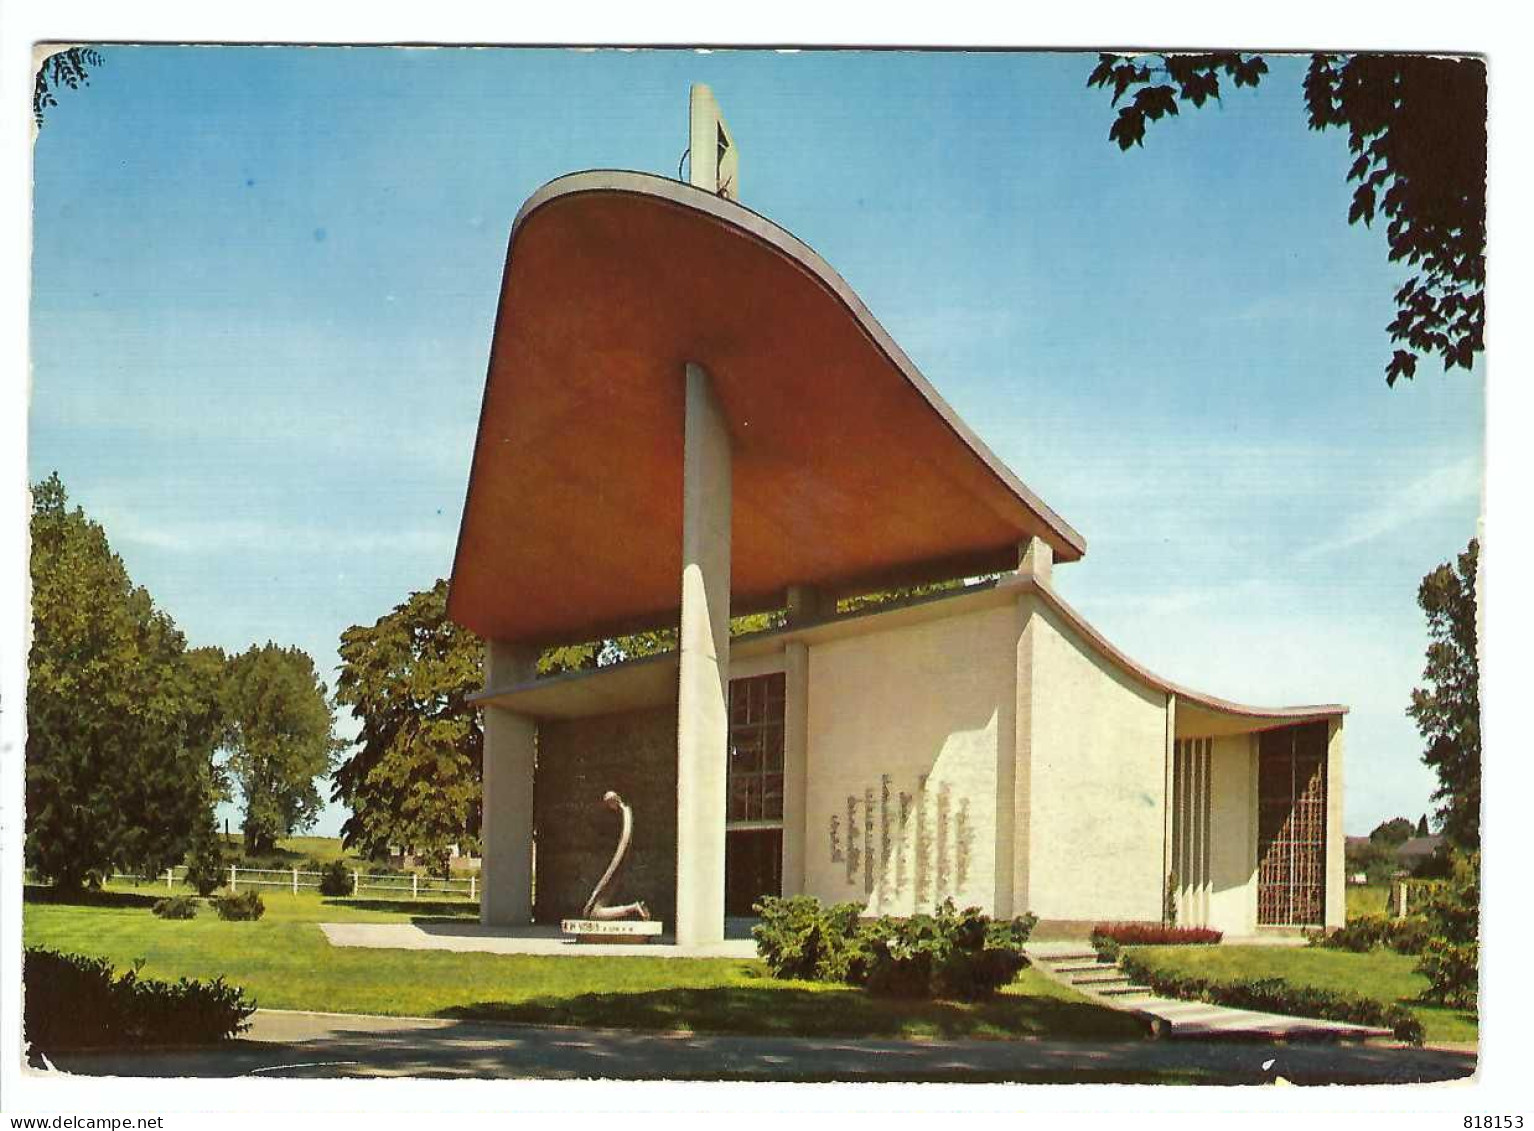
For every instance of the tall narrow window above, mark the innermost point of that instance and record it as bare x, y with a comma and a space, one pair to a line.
753, 856
1291, 826
755, 776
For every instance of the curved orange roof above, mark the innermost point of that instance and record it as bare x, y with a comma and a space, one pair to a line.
850, 472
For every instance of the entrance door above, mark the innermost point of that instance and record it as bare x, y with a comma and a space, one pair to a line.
753, 867
1291, 826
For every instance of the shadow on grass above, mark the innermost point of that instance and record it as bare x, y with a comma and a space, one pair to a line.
428, 910
85, 897
784, 1010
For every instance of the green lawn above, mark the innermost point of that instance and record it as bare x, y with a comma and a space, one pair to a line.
1368, 899
1381, 974
294, 850
284, 962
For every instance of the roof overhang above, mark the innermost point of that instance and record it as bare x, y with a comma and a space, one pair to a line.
850, 472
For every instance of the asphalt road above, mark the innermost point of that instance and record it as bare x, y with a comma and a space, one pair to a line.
312, 1045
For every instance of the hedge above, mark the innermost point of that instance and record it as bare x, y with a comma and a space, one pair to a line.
75, 1001
1365, 932
1109, 938
1274, 995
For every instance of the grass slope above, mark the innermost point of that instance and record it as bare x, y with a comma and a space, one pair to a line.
1381, 974
285, 962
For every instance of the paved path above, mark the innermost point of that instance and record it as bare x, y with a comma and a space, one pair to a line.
330, 1045
450, 935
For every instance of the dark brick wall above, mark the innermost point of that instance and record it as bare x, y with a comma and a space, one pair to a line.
578, 761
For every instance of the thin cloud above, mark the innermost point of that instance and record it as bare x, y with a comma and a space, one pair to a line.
1452, 484
189, 536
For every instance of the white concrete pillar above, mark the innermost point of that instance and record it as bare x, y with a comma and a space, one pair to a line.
1336, 863
506, 815
1036, 557
702, 733
804, 604
1168, 846
1015, 835
796, 743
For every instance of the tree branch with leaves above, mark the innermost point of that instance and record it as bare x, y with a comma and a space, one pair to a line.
1416, 126
69, 69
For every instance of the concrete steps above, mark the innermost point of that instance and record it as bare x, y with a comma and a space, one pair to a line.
1167, 1017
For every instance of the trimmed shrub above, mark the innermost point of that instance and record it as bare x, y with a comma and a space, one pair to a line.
335, 879
1154, 934
801, 939
1365, 932
74, 1001
962, 955
959, 955
1274, 995
175, 907
1108, 949
241, 907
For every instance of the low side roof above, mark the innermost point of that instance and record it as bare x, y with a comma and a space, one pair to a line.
652, 681
851, 473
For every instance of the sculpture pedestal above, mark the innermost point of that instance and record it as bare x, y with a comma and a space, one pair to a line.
611, 930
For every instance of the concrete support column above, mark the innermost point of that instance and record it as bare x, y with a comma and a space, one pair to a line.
1336, 864
703, 696
506, 821
1014, 828
1168, 846
796, 744
804, 604
1036, 557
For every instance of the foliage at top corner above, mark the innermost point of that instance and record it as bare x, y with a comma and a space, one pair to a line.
69, 68
1416, 127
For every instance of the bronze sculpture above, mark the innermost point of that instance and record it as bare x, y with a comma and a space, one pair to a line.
595, 908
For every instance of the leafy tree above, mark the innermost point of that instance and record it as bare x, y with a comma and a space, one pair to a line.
1448, 708
1397, 830
279, 738
121, 725
1451, 958
1417, 127
66, 68
205, 860
413, 779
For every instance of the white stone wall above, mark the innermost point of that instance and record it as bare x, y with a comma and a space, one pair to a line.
1093, 747
1233, 829
905, 731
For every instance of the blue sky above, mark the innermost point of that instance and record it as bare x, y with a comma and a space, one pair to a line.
264, 284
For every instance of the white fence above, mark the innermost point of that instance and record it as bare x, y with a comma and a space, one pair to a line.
412, 886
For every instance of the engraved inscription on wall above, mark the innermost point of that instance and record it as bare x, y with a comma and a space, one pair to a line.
904, 847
